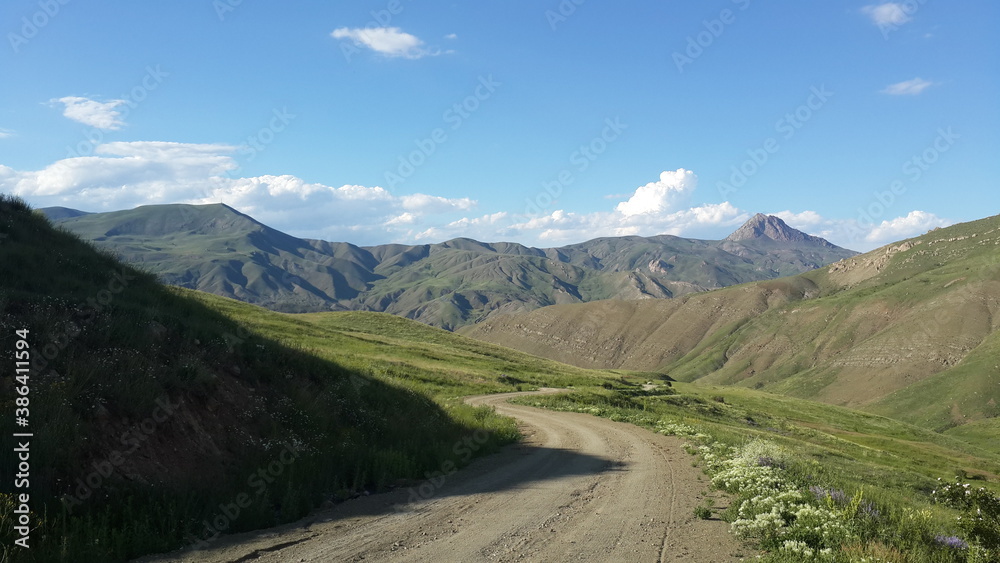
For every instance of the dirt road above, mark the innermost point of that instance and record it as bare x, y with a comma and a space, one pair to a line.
578, 488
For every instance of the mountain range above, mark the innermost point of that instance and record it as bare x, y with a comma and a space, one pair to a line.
217, 249
909, 330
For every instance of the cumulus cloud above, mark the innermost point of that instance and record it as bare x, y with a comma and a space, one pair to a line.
907, 87
127, 174
660, 196
123, 175
863, 235
562, 227
435, 204
913, 224
101, 115
887, 14
652, 209
388, 41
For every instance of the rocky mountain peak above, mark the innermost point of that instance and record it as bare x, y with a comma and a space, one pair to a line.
762, 226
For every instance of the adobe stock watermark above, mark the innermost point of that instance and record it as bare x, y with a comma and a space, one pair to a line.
912, 170
255, 144
580, 160
256, 485
94, 136
225, 7
69, 331
455, 116
713, 29
908, 8
786, 128
133, 438
32, 25
463, 450
562, 12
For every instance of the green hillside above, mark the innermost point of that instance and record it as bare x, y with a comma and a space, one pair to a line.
342, 391
216, 249
151, 405
908, 330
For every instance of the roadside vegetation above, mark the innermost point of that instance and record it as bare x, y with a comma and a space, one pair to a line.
814, 482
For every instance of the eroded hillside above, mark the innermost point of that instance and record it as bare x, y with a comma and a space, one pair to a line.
908, 330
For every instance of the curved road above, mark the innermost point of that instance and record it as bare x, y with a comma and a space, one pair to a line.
578, 488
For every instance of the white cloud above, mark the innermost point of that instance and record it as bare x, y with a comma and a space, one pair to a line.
388, 41
402, 219
125, 175
913, 224
6, 133
887, 14
907, 87
705, 220
435, 204
164, 150
652, 209
101, 115
451, 36
863, 235
660, 196
800, 221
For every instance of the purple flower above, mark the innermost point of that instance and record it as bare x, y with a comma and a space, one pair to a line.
954, 542
868, 510
818, 491
838, 496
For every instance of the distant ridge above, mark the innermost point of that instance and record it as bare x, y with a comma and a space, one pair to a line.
54, 213
216, 249
909, 330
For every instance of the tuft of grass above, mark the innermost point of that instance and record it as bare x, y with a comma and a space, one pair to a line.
704, 510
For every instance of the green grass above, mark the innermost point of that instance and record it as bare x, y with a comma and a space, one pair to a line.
373, 400
370, 401
895, 464
912, 338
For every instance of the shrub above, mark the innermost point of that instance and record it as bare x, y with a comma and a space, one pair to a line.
980, 519
703, 512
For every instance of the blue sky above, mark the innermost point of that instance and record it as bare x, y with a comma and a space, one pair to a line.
545, 123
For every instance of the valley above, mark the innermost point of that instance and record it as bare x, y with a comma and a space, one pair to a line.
338, 392
519, 282
908, 331
215, 249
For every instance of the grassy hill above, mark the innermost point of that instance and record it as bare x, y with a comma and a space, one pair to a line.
908, 330
211, 391
216, 249
152, 406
